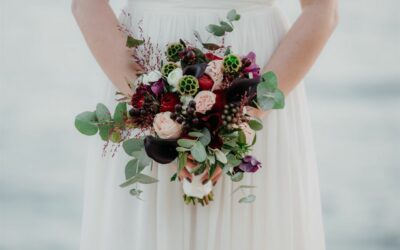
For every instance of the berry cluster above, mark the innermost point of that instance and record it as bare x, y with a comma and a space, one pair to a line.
143, 115
231, 116
187, 116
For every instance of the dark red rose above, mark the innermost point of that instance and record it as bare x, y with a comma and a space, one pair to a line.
220, 101
168, 102
137, 100
210, 56
205, 82
212, 121
216, 142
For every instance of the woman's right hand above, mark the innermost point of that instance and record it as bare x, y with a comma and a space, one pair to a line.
191, 164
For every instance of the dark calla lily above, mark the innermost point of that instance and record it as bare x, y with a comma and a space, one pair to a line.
241, 86
196, 70
161, 150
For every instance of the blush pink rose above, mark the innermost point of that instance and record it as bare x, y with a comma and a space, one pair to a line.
165, 127
205, 100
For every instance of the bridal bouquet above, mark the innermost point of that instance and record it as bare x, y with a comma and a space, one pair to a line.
189, 110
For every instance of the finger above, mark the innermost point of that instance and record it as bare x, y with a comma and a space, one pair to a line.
191, 164
215, 178
184, 173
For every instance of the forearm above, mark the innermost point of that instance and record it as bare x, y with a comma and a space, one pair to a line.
99, 26
303, 43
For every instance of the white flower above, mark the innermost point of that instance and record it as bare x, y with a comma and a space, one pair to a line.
152, 76
165, 127
174, 76
196, 188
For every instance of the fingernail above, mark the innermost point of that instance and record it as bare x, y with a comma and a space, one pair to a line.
188, 179
214, 183
179, 178
204, 182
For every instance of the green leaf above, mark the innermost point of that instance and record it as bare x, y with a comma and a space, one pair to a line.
105, 131
248, 199
132, 42
243, 187
233, 15
102, 113
85, 123
279, 99
211, 159
226, 26
206, 138
242, 137
221, 157
182, 161
142, 157
182, 149
237, 177
197, 35
227, 51
145, 179
133, 145
173, 178
255, 124
198, 152
135, 192
195, 134
133, 167
270, 79
120, 113
233, 160
269, 99
186, 143
215, 30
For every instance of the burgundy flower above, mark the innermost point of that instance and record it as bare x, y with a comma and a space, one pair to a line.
137, 100
168, 102
249, 164
205, 82
220, 101
250, 65
216, 142
158, 87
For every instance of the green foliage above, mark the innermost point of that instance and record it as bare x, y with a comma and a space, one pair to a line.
248, 199
205, 139
255, 124
223, 26
237, 177
221, 157
133, 167
132, 42
268, 94
120, 114
102, 113
182, 161
86, 123
243, 187
198, 152
133, 145
139, 178
186, 143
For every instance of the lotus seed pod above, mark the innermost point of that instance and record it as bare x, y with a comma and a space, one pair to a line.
232, 64
173, 51
168, 68
188, 85
214, 71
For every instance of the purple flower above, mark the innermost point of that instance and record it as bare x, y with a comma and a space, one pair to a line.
251, 65
249, 164
158, 87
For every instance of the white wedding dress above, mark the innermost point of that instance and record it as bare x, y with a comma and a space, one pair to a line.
287, 212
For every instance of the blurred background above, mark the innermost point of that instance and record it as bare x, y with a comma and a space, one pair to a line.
47, 76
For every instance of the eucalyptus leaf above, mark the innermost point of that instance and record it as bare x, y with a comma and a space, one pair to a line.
133, 167
105, 131
215, 30
133, 145
182, 149
221, 157
243, 187
211, 159
145, 179
248, 199
270, 79
198, 152
205, 139
120, 113
142, 157
226, 26
186, 143
135, 192
102, 113
85, 123
233, 15
242, 137
255, 124
182, 161
233, 160
237, 177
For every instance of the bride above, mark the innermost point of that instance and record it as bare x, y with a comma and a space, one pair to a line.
287, 212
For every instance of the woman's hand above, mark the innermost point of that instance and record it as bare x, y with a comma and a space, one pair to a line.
255, 112
184, 173
305, 40
107, 42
